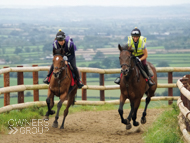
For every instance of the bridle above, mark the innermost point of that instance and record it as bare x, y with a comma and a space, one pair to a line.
57, 74
61, 69
126, 71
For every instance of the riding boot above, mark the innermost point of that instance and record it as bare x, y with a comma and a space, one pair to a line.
46, 80
117, 80
150, 81
79, 82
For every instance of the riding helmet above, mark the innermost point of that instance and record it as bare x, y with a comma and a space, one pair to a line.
60, 36
136, 32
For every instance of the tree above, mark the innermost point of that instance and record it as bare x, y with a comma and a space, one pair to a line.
27, 49
99, 55
107, 62
18, 50
162, 64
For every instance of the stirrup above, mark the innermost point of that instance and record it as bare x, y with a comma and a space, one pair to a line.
80, 84
117, 80
46, 80
150, 83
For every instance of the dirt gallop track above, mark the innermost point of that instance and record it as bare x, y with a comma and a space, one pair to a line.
88, 127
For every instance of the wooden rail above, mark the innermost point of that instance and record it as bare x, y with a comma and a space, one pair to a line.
21, 87
83, 102
184, 105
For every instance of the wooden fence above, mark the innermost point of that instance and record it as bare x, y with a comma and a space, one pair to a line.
184, 105
20, 88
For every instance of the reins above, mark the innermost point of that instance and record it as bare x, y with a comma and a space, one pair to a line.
60, 72
134, 68
60, 80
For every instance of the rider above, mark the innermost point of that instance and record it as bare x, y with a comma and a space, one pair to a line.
138, 44
61, 41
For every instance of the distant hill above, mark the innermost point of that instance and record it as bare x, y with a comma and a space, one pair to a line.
58, 14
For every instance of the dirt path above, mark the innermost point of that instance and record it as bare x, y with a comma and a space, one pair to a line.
85, 127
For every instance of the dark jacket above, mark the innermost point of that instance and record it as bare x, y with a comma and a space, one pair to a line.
69, 48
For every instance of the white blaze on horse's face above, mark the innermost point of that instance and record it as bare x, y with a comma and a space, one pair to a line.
57, 58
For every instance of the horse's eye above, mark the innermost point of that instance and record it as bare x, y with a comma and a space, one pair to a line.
119, 57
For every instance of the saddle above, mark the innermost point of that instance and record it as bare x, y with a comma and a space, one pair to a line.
142, 70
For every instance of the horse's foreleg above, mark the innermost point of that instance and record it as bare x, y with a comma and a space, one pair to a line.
59, 105
69, 103
50, 104
143, 118
134, 116
120, 110
131, 112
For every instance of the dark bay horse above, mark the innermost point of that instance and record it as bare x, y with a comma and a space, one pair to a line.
133, 85
59, 85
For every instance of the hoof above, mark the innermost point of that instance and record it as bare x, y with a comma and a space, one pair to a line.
143, 120
61, 127
126, 121
46, 118
52, 112
135, 123
128, 126
55, 125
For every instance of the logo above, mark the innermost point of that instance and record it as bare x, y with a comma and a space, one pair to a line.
34, 126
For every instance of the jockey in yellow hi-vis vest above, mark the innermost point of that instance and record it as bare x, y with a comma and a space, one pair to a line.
138, 44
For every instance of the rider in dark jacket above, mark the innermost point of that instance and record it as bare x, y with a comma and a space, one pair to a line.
65, 42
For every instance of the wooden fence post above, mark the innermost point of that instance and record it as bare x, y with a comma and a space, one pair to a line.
170, 90
20, 81
35, 81
84, 97
6, 84
102, 96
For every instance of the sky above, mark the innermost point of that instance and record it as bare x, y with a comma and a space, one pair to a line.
44, 3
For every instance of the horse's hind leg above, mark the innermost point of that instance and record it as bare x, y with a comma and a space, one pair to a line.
143, 118
69, 103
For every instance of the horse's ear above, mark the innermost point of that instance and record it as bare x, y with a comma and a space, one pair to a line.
62, 52
130, 49
119, 47
54, 50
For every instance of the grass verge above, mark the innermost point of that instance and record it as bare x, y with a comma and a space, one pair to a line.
165, 129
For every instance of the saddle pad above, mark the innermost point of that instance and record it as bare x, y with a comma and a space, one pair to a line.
73, 82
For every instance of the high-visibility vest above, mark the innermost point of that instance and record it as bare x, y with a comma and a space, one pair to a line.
142, 41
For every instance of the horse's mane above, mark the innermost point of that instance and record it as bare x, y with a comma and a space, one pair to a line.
58, 52
125, 47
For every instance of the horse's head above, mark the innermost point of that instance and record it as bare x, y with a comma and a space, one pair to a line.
125, 58
58, 62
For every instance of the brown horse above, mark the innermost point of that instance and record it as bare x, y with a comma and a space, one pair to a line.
60, 86
133, 85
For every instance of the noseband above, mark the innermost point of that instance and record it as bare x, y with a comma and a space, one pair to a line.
127, 65
57, 74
